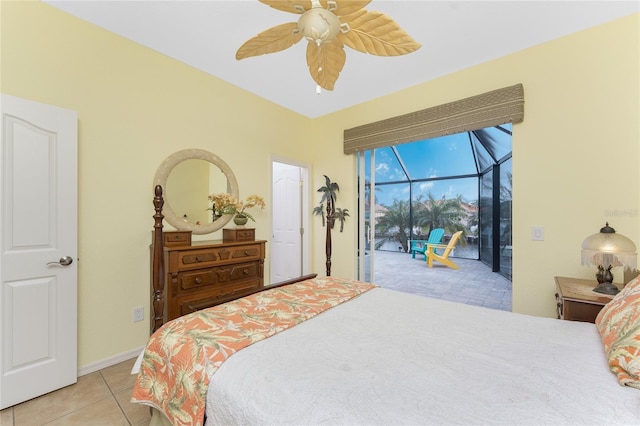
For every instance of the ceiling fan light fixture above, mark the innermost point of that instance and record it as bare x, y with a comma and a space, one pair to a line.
329, 26
319, 25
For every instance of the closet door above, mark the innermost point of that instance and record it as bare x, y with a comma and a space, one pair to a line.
38, 256
289, 243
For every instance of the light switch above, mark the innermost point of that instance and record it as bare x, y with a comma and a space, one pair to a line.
537, 233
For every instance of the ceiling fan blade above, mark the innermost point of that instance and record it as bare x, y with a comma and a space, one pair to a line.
346, 7
292, 6
325, 62
272, 40
377, 34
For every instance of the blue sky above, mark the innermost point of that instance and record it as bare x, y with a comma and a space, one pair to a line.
449, 155
439, 157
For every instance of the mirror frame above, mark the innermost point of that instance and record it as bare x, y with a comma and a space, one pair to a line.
162, 174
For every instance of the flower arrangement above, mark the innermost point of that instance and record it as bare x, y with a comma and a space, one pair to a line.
223, 204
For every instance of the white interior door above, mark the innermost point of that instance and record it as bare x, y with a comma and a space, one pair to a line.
38, 238
288, 256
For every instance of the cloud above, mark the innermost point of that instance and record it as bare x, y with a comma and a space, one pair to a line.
425, 186
382, 168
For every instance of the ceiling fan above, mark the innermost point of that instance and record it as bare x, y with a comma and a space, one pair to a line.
329, 25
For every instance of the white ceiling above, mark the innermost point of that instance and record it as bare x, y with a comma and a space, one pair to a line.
454, 35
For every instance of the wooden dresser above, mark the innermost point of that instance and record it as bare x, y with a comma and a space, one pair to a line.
207, 273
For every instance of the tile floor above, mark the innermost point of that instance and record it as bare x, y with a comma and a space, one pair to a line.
98, 399
102, 398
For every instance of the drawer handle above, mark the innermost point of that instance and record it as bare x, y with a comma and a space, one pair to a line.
199, 258
198, 280
247, 253
245, 271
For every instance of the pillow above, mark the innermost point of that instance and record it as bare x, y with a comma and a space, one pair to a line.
619, 326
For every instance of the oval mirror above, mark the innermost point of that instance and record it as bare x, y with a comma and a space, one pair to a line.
187, 178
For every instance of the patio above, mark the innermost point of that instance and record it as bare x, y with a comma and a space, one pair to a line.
473, 283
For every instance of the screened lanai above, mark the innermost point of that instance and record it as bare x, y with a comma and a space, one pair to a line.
459, 182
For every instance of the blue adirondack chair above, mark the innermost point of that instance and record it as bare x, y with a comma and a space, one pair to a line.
420, 246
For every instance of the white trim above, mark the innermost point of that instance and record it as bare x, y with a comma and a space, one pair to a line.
108, 362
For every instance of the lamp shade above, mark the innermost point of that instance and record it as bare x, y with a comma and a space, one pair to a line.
607, 248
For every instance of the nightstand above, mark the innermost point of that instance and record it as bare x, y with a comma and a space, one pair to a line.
576, 300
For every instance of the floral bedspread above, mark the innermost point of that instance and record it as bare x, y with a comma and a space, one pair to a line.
181, 357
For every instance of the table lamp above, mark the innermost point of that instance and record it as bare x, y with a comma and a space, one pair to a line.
607, 249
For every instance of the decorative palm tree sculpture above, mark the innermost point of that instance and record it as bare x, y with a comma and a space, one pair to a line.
329, 26
341, 215
329, 195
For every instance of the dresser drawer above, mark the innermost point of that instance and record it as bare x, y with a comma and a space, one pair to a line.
177, 238
220, 275
239, 234
208, 273
189, 259
247, 251
198, 258
187, 305
196, 279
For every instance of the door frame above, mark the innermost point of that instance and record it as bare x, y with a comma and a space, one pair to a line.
366, 269
304, 211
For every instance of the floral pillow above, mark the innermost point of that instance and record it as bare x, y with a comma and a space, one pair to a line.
619, 326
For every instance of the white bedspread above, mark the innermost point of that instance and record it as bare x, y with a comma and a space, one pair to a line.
392, 358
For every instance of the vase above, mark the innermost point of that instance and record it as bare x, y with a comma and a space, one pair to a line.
240, 220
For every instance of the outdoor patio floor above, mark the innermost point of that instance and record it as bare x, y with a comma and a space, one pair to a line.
472, 284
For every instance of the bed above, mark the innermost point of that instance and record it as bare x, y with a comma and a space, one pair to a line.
326, 350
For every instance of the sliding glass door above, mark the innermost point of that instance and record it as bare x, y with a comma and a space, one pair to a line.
496, 217
458, 182
366, 227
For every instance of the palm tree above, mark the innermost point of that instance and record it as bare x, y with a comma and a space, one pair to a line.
329, 191
319, 211
395, 224
443, 213
329, 195
341, 215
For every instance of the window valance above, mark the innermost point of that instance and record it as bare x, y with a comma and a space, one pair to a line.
476, 112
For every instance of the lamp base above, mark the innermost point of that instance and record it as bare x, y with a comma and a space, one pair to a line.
607, 288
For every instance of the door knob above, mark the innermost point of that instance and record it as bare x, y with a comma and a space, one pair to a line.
64, 261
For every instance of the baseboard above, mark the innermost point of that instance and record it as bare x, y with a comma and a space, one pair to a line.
108, 362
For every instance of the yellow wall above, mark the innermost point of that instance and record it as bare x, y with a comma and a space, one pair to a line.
575, 155
135, 107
